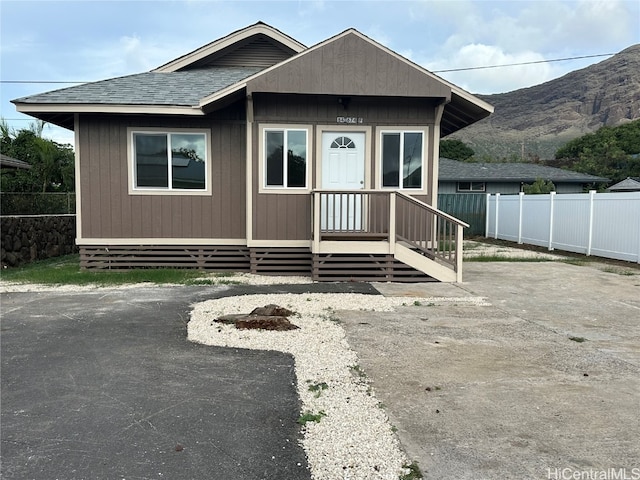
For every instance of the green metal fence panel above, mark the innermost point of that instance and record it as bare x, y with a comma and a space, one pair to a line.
468, 207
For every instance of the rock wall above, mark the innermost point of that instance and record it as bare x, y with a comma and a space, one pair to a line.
36, 237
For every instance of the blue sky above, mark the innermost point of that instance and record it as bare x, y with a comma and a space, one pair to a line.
87, 40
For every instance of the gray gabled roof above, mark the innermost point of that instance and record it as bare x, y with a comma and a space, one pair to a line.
10, 162
213, 76
151, 88
455, 171
629, 184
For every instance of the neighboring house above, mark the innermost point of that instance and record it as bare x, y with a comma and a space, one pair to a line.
256, 153
629, 184
11, 163
507, 178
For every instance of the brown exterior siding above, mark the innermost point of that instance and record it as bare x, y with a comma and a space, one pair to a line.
349, 65
281, 217
288, 216
109, 211
316, 110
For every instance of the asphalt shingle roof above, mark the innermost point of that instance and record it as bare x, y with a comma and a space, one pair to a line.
630, 184
185, 88
10, 162
455, 171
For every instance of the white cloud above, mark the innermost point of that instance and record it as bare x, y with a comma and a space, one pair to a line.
500, 32
492, 80
126, 55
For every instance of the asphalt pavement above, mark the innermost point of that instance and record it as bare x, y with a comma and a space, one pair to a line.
104, 385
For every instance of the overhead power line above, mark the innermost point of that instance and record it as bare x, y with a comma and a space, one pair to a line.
433, 71
523, 63
36, 81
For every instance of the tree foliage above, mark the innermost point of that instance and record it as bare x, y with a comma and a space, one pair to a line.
52, 164
456, 150
539, 186
612, 152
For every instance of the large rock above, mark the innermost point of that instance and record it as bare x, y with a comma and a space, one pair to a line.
269, 317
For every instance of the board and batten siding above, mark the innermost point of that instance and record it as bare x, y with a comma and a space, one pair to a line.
284, 216
109, 211
350, 65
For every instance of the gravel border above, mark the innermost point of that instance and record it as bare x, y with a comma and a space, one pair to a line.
235, 279
353, 438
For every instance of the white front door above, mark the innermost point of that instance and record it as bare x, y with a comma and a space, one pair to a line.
343, 168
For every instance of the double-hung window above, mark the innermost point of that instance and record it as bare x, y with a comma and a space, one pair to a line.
170, 161
285, 158
402, 159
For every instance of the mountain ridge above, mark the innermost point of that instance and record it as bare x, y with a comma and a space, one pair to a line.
535, 121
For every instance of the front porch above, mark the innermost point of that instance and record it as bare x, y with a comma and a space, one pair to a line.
389, 227
356, 235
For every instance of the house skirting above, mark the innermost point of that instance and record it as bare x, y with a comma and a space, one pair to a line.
330, 267
205, 257
334, 267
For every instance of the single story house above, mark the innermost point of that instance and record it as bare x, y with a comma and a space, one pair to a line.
629, 184
257, 153
507, 178
11, 163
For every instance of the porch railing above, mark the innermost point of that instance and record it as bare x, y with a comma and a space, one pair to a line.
368, 215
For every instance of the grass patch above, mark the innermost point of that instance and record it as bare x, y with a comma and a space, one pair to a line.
578, 339
414, 472
575, 261
358, 371
66, 271
318, 388
502, 258
311, 417
618, 271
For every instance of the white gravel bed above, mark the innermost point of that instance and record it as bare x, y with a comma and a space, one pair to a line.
353, 440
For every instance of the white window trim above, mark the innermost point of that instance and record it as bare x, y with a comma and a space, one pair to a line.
425, 158
471, 189
131, 164
262, 171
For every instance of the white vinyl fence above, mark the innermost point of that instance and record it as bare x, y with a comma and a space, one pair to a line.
602, 224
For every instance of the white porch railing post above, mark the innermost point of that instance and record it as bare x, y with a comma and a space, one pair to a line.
459, 235
497, 213
552, 197
592, 194
316, 222
521, 198
392, 222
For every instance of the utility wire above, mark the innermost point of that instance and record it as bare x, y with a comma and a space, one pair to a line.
523, 63
433, 71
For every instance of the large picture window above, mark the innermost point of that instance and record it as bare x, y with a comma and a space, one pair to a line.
402, 159
169, 161
285, 157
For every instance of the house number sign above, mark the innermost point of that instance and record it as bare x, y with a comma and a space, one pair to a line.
349, 120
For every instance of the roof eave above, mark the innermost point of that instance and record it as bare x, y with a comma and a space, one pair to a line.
63, 115
30, 108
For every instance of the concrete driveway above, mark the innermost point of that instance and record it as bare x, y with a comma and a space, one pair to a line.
542, 384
